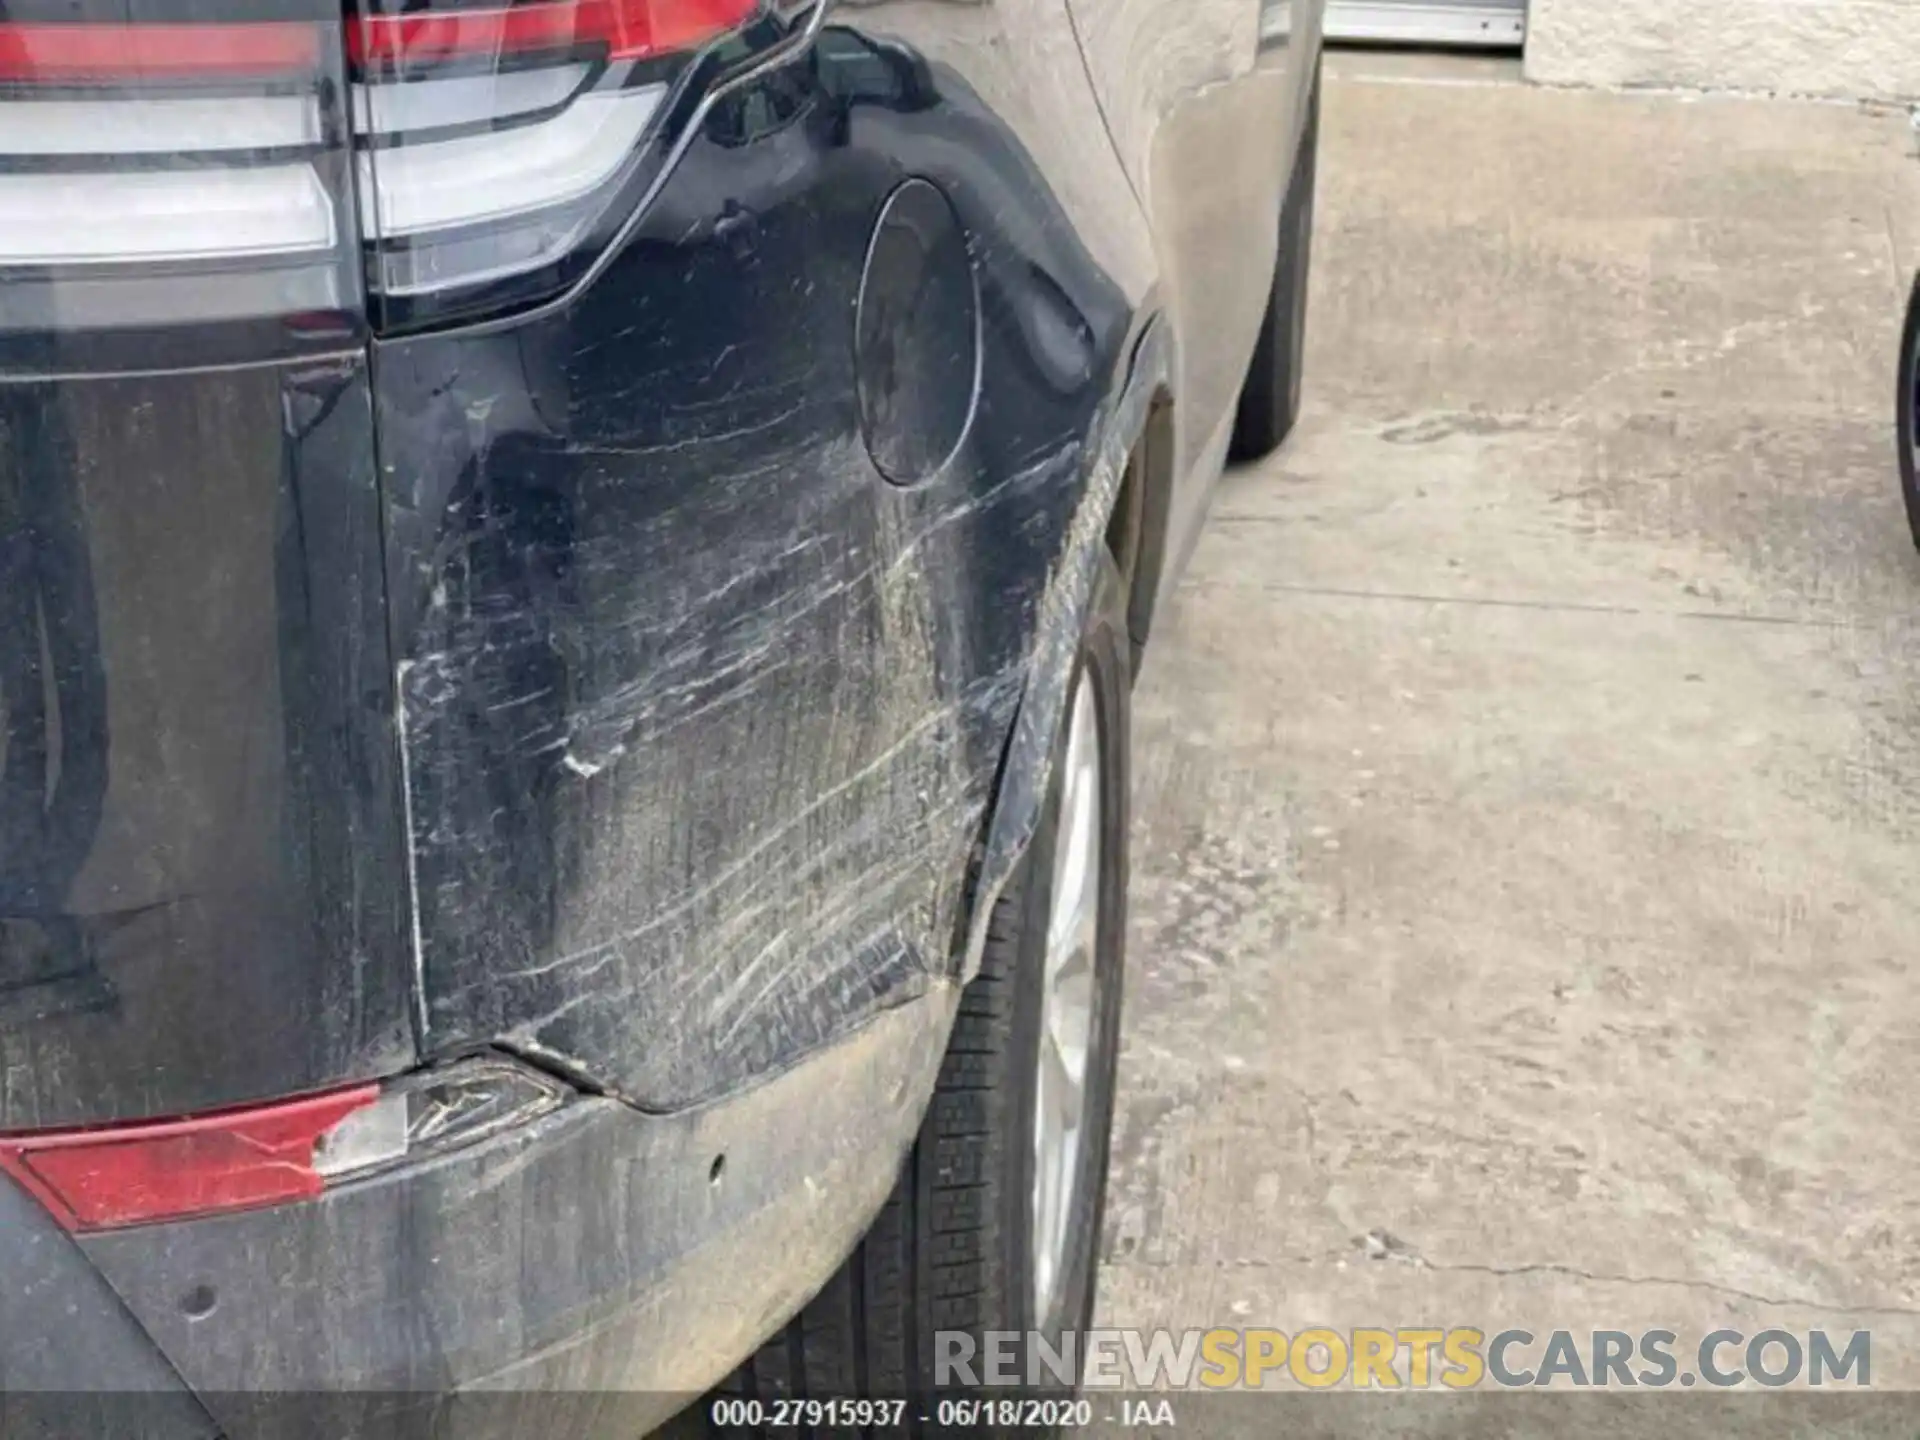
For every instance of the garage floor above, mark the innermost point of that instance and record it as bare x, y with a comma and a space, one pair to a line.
1527, 870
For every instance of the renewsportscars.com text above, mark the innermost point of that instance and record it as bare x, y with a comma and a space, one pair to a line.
1456, 1358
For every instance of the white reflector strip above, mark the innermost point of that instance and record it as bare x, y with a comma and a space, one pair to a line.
59, 219
157, 127
438, 184
392, 108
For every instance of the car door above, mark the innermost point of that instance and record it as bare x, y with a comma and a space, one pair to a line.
1205, 100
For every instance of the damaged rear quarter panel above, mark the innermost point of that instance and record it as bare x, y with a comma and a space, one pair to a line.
702, 716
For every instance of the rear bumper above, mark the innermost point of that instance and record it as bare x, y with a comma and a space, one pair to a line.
616, 1262
72, 1360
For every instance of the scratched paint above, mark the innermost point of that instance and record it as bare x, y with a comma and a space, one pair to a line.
704, 716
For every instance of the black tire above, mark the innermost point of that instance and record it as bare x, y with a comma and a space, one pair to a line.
1270, 400
951, 1249
1908, 404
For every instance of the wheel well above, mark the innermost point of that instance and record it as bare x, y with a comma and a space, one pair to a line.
1137, 533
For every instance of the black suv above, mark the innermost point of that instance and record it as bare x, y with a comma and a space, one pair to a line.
570, 575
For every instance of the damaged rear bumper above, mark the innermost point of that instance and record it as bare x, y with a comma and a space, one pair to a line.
587, 1273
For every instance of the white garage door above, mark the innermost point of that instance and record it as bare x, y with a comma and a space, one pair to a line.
1429, 22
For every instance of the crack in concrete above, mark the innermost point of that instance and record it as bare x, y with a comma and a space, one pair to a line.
1543, 1267
1571, 607
1893, 261
1602, 1277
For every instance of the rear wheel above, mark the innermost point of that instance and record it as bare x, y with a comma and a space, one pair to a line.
1908, 403
1270, 402
995, 1221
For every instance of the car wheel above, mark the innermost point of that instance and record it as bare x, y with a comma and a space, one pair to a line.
995, 1221
1908, 403
1270, 401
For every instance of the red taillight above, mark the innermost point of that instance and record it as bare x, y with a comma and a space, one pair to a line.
156, 171
119, 1175
503, 147
166, 1170
619, 29
69, 54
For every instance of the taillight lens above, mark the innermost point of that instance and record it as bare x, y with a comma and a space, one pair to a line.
500, 144
155, 172
272, 1154
134, 1174
212, 164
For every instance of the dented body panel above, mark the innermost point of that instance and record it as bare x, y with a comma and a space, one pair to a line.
702, 712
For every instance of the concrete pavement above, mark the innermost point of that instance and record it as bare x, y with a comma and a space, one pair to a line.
1528, 777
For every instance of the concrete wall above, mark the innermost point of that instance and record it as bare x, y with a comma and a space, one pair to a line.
1848, 48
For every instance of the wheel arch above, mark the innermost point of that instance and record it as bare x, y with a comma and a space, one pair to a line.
1137, 533
1126, 498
